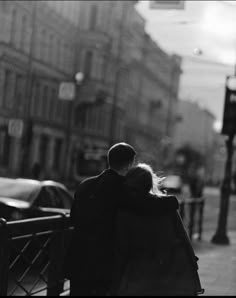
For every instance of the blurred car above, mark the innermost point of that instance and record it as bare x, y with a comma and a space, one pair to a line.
173, 185
21, 198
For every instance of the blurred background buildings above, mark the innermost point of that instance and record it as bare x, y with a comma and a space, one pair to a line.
129, 93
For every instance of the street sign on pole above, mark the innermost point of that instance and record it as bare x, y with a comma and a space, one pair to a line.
16, 128
229, 123
165, 4
67, 91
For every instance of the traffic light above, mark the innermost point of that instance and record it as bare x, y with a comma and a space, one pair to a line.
229, 124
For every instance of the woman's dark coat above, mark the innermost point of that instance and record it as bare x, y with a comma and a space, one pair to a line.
154, 257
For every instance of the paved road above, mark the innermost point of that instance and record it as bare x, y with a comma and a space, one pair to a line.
211, 213
217, 265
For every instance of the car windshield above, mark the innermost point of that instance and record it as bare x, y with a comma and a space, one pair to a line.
21, 190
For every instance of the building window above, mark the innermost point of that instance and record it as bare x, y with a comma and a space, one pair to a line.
54, 50
20, 92
5, 145
64, 62
60, 111
53, 104
51, 49
93, 17
88, 63
43, 150
40, 100
45, 102
57, 154
13, 27
36, 101
42, 45
50, 104
9, 90
58, 53
23, 37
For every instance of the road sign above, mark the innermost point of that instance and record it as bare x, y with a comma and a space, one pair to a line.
229, 124
16, 128
165, 4
67, 91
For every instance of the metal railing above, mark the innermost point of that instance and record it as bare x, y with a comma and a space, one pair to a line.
192, 211
31, 256
32, 251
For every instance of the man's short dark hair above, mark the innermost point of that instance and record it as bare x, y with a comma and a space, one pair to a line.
120, 156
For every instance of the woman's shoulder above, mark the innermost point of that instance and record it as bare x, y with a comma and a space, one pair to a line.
161, 197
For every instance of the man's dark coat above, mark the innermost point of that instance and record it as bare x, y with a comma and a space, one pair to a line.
93, 215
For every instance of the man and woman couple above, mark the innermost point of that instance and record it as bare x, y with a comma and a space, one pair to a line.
128, 238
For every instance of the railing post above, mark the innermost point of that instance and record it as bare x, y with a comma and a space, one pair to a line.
4, 258
200, 220
192, 218
55, 272
182, 210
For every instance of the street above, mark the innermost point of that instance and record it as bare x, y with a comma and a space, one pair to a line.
217, 264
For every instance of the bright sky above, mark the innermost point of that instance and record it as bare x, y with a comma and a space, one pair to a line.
208, 25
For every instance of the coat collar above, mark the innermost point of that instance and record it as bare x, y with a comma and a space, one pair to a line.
110, 172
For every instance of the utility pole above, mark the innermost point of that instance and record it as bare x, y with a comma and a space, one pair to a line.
27, 137
114, 114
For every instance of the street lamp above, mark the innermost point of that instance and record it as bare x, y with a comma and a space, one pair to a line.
79, 78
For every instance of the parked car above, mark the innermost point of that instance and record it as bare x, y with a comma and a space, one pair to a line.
173, 185
21, 198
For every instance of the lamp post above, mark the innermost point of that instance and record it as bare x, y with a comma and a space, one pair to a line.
70, 93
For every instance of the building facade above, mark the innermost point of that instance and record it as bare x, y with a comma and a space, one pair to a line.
138, 80
196, 129
129, 92
37, 51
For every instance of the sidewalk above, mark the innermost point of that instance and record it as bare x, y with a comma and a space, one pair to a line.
217, 266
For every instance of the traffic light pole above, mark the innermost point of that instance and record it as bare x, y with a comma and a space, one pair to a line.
221, 234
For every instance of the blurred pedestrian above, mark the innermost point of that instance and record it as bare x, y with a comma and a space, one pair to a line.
90, 258
154, 256
197, 182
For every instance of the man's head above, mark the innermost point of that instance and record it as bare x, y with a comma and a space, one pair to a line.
121, 157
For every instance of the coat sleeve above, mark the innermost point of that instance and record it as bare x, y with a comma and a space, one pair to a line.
81, 194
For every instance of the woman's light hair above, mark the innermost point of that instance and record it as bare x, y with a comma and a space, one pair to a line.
156, 181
